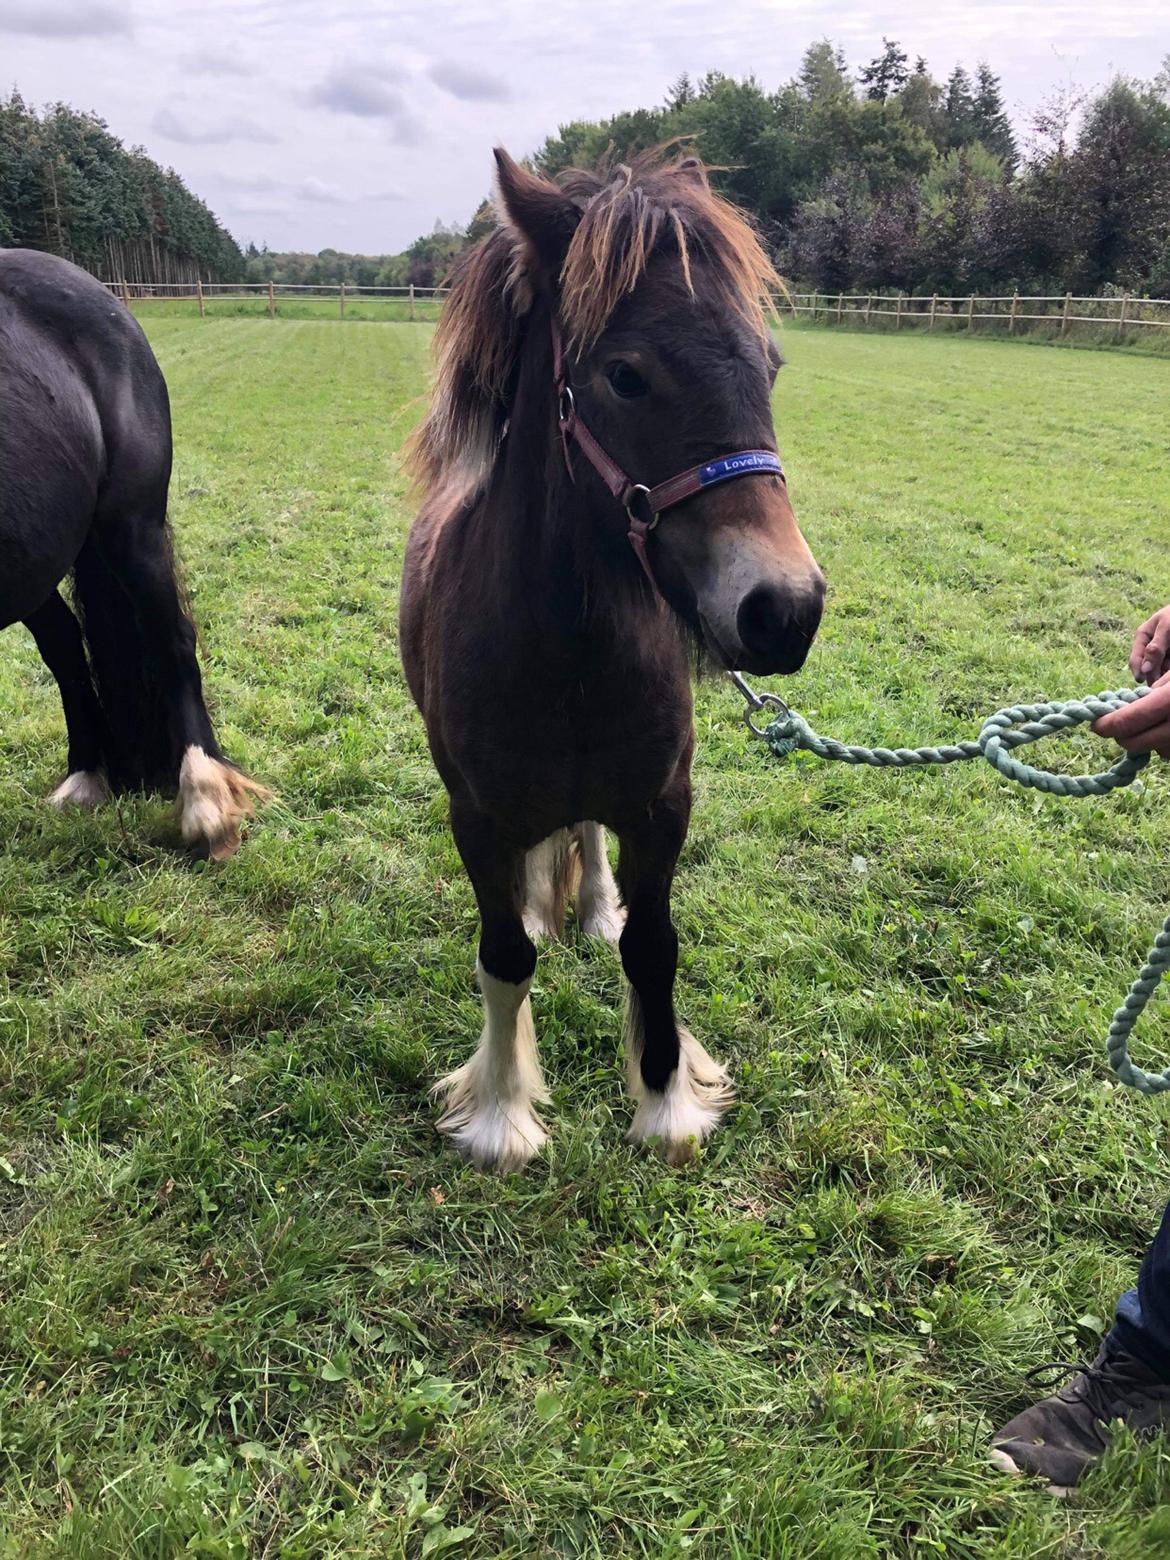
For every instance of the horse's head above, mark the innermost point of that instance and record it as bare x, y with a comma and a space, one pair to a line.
656, 284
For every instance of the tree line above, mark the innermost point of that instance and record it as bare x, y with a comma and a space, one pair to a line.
68, 186
886, 180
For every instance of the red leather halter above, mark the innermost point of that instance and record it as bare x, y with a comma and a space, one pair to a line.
644, 505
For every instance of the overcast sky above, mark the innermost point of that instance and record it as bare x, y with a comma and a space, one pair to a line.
357, 124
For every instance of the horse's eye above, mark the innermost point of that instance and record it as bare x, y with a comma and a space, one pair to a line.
626, 381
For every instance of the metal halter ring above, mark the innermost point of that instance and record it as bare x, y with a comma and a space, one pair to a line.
640, 489
758, 701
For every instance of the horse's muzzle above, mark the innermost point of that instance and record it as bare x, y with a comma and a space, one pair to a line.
776, 624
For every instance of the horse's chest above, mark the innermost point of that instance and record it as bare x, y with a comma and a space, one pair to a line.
559, 760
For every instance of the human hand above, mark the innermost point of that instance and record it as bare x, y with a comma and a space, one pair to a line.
1144, 725
1150, 657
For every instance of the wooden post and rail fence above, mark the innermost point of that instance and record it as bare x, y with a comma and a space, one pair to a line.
1117, 318
268, 296
1064, 314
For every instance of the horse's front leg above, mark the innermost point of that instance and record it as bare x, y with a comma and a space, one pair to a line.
489, 1100
679, 1090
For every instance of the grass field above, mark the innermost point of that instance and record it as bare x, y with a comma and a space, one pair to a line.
249, 1303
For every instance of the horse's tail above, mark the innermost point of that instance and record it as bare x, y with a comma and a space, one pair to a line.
552, 872
140, 751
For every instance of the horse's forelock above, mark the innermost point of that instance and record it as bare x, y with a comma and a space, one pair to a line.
628, 215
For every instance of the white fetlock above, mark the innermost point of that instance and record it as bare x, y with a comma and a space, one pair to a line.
489, 1101
83, 788
680, 1117
213, 800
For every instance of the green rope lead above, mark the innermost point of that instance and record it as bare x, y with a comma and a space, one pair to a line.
1010, 728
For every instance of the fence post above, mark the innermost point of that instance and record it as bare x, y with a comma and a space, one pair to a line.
1064, 316
840, 299
125, 293
343, 300
868, 306
898, 314
412, 300
1123, 316
971, 312
271, 302
933, 307
199, 294
1015, 310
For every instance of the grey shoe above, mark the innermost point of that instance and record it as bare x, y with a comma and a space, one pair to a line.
1057, 1438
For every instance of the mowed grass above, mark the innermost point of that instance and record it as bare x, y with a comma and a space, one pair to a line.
249, 1303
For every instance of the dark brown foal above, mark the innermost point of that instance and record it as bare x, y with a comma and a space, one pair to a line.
610, 325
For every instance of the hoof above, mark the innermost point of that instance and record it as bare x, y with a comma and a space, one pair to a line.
213, 800
493, 1134
677, 1119
489, 1116
541, 926
83, 788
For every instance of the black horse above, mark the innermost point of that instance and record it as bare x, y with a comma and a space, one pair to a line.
85, 463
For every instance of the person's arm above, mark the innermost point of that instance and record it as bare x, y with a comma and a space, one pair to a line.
1144, 727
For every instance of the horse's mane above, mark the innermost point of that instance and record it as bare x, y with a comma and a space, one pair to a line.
627, 214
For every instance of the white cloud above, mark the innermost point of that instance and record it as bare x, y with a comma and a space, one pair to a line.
212, 132
216, 62
469, 84
65, 18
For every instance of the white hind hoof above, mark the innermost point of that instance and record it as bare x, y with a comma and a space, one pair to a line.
213, 800
83, 788
685, 1113
604, 920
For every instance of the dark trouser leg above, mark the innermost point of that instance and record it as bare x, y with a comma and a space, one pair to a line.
58, 638
1142, 1326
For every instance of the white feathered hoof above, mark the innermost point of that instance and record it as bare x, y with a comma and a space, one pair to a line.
489, 1115
550, 870
83, 788
213, 800
493, 1133
678, 1119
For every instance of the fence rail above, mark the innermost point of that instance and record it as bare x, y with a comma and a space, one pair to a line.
270, 293
1120, 315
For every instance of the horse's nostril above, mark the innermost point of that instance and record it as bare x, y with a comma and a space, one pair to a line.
776, 625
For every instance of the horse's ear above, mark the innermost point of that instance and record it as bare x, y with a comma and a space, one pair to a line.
544, 218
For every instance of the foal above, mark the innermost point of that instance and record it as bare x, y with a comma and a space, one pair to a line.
608, 325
